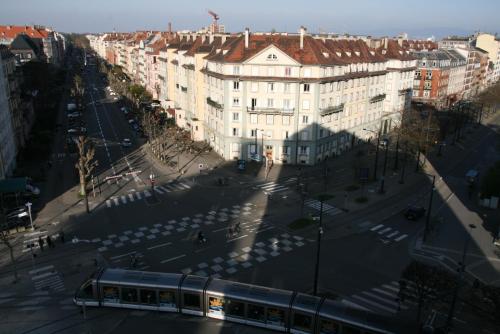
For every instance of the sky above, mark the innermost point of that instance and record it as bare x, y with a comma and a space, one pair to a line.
418, 18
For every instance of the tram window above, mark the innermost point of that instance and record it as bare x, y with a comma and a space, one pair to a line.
192, 300
302, 321
235, 308
275, 316
350, 330
111, 294
129, 295
329, 327
86, 291
256, 312
216, 305
148, 296
167, 298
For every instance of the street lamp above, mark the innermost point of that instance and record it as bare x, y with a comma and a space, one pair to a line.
428, 217
152, 179
468, 237
386, 144
29, 212
322, 198
376, 152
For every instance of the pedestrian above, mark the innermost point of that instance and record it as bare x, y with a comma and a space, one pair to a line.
61, 236
40, 243
49, 242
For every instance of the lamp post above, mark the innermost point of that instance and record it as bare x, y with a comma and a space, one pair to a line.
152, 179
376, 152
405, 157
321, 198
468, 237
428, 217
382, 183
29, 212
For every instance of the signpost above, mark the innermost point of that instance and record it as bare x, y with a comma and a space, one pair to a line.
29, 211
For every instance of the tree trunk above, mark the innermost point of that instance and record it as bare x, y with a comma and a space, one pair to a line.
82, 185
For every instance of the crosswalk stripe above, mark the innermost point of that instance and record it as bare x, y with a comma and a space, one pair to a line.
382, 299
115, 200
377, 305
124, 199
392, 234
162, 189
265, 184
401, 237
138, 195
390, 294
377, 227
385, 230
108, 203
390, 287
147, 193
158, 191
169, 188
185, 186
131, 197
178, 186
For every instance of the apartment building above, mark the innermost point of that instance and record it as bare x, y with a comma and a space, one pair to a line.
491, 46
7, 138
290, 98
50, 43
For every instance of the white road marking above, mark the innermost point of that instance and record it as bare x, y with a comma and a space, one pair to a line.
131, 197
392, 234
173, 258
385, 230
123, 255
401, 237
160, 245
35, 271
108, 203
231, 240
377, 227
138, 195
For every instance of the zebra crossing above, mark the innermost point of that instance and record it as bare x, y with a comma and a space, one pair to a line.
47, 278
388, 234
139, 195
384, 299
327, 208
274, 187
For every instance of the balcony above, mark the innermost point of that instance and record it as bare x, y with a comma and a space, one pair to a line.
331, 110
377, 98
214, 104
270, 111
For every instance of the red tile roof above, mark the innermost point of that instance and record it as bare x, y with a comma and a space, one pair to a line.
11, 32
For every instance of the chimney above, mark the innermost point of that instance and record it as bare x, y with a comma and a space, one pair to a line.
247, 33
302, 33
211, 38
169, 27
386, 42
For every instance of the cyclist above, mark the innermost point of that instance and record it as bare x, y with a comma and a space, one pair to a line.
201, 237
237, 228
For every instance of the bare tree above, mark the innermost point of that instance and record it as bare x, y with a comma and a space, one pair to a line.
85, 165
7, 240
78, 83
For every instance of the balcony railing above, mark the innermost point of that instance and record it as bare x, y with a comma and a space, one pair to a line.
404, 91
331, 110
377, 98
214, 104
268, 110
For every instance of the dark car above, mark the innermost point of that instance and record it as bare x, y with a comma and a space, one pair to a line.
414, 212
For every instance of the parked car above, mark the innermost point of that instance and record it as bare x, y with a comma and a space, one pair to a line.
74, 114
126, 142
414, 212
77, 130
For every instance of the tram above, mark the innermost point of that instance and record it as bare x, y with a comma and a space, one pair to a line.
280, 310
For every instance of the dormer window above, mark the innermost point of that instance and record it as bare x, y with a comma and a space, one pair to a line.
272, 56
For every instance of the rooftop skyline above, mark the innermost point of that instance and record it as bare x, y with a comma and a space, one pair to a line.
383, 17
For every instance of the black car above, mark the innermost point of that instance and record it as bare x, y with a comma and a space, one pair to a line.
414, 212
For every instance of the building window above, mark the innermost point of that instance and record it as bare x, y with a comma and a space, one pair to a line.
304, 135
253, 133
236, 102
272, 56
286, 120
236, 70
285, 134
270, 87
235, 132
307, 88
270, 103
286, 104
269, 119
305, 119
287, 88
236, 116
236, 85
288, 71
253, 103
253, 119
303, 150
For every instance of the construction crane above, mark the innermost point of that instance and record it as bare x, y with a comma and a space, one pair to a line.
215, 25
